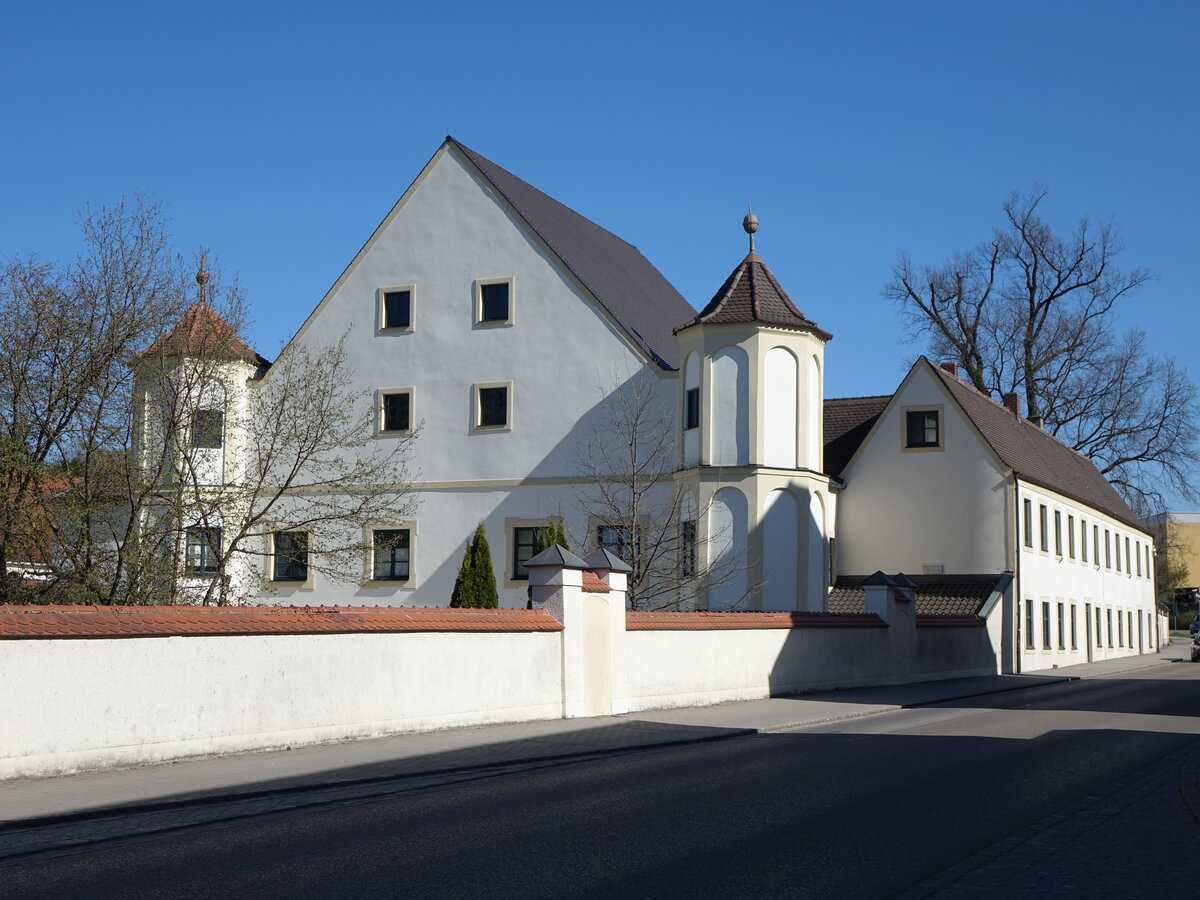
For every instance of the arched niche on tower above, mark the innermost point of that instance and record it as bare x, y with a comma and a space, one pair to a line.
730, 432
691, 411
781, 551
781, 386
727, 548
813, 408
816, 556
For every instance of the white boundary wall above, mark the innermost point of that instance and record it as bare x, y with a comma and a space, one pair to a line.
81, 703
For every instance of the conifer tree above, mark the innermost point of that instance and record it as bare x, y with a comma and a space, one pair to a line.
475, 586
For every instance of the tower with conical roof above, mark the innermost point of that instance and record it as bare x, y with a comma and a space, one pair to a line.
751, 397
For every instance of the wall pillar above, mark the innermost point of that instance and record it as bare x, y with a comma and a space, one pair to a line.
889, 598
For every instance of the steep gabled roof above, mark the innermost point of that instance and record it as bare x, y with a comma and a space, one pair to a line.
847, 422
202, 333
751, 293
1034, 454
625, 283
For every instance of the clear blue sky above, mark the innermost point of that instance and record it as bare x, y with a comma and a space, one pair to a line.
279, 134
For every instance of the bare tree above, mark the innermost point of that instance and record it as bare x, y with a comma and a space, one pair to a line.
304, 457
1031, 312
68, 331
636, 507
103, 488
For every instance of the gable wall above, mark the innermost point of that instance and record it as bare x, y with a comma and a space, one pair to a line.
903, 509
560, 354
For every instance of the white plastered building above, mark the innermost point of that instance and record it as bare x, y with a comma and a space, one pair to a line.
495, 319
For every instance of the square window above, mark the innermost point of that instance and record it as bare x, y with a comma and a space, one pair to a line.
525, 542
392, 547
208, 428
492, 406
494, 301
396, 409
203, 550
691, 409
290, 561
397, 308
922, 428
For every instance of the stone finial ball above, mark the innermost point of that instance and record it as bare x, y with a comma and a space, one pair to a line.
201, 277
750, 223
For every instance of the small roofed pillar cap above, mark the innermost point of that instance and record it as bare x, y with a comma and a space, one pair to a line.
601, 558
556, 556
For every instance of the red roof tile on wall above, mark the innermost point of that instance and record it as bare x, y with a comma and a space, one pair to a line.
184, 621
592, 583
746, 621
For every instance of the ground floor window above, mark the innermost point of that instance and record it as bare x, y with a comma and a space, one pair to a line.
619, 541
525, 542
687, 548
290, 561
1108, 615
392, 549
203, 556
1074, 628
1062, 628
1029, 642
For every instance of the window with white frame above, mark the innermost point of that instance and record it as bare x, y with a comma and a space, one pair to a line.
203, 550
396, 312
494, 301
493, 406
395, 410
392, 554
289, 559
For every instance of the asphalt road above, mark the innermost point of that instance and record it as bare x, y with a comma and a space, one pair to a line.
1036, 781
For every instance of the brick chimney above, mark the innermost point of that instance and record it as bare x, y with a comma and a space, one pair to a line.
1012, 402
950, 367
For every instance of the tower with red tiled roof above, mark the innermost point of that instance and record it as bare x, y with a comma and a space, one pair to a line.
751, 405
192, 386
